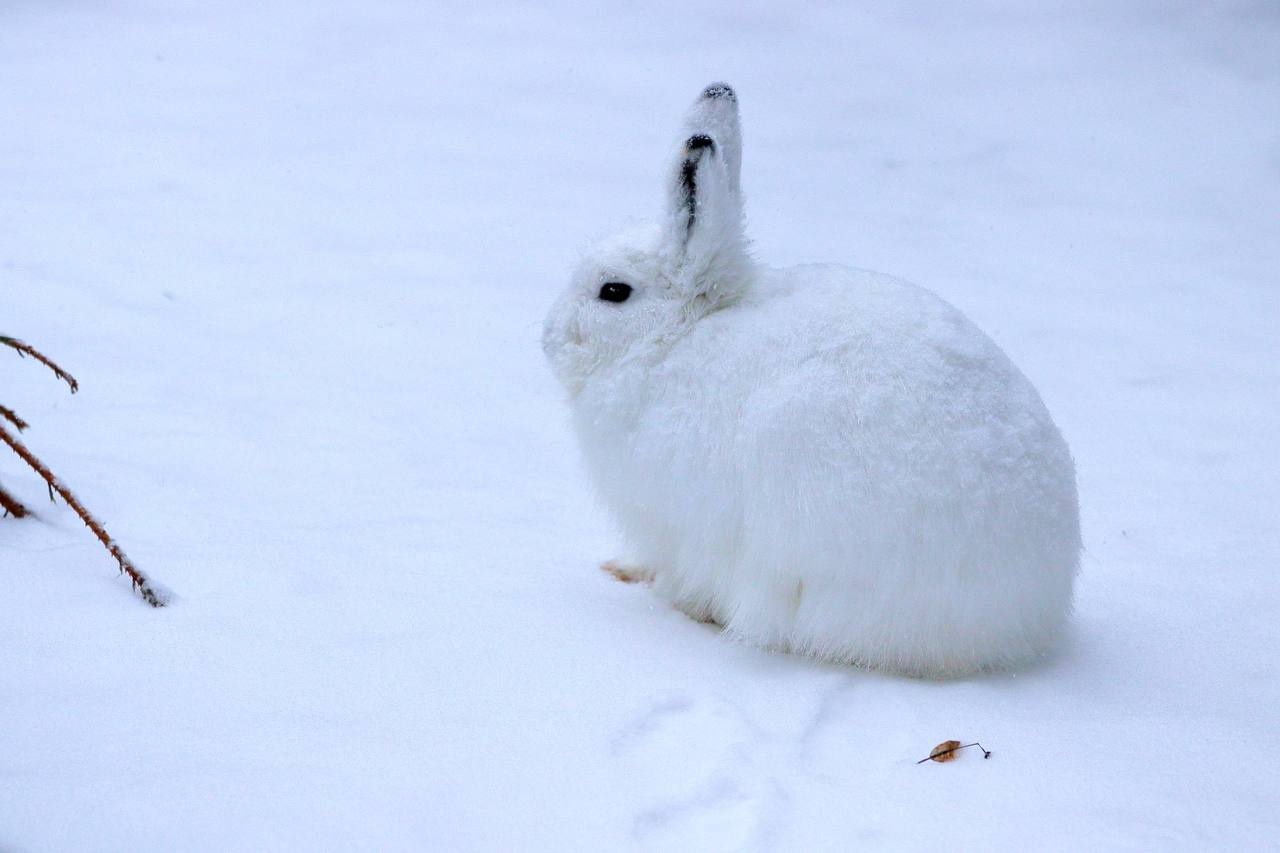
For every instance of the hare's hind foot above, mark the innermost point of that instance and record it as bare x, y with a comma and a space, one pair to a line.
698, 613
632, 573
627, 572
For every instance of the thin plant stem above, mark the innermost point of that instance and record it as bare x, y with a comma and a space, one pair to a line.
25, 349
143, 586
12, 417
12, 506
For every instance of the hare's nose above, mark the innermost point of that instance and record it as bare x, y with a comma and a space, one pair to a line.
716, 91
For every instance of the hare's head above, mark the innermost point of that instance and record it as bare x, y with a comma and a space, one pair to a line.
646, 285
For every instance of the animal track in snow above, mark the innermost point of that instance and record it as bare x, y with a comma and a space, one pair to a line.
703, 775
693, 763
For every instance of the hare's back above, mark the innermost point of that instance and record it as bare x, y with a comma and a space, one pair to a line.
844, 365
866, 339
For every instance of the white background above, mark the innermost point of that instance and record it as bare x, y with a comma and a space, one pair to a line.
298, 256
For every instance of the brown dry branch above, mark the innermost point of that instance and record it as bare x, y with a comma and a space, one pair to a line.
12, 417
12, 506
25, 349
149, 594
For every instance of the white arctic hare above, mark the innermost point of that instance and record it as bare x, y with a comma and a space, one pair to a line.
821, 459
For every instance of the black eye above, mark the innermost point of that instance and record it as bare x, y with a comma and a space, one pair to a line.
615, 291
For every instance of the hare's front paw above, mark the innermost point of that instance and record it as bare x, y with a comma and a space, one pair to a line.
627, 572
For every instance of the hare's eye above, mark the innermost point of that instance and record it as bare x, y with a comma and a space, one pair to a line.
615, 291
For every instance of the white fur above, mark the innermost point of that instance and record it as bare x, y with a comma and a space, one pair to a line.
823, 460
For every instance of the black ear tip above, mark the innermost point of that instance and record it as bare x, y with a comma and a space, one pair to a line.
698, 142
719, 91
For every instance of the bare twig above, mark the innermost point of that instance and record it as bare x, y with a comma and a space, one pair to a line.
25, 349
12, 506
149, 594
12, 417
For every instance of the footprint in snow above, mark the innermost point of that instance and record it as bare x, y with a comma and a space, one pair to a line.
689, 764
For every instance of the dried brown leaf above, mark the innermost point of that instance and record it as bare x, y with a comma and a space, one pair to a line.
945, 751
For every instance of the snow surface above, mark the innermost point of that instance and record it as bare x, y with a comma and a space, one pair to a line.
298, 256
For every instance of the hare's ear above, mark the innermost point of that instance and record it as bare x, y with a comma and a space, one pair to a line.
704, 242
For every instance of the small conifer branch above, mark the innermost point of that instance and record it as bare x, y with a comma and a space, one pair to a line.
25, 349
12, 506
12, 417
143, 586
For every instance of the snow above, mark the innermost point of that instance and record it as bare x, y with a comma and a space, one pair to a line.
298, 255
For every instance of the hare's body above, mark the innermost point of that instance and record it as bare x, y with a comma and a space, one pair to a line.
821, 460
894, 494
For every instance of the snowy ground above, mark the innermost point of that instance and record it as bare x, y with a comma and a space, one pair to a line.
298, 256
